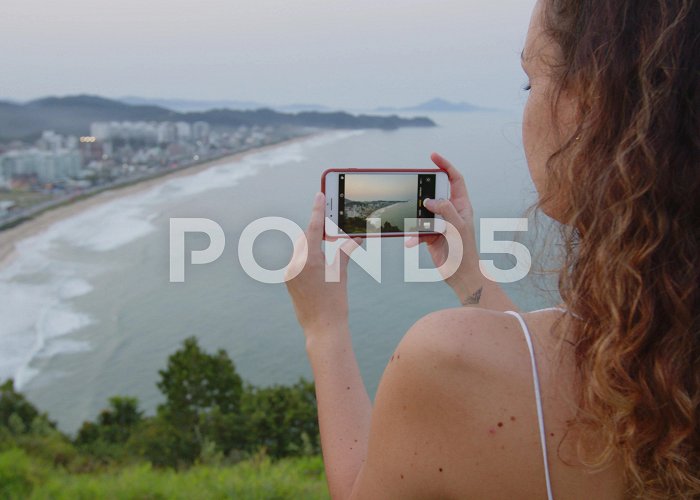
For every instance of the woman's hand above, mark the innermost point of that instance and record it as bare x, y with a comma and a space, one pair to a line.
321, 306
467, 280
471, 287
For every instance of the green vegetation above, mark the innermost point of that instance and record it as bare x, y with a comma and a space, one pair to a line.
358, 225
22, 476
215, 436
24, 199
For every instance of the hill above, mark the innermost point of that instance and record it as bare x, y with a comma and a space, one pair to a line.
74, 114
185, 105
437, 105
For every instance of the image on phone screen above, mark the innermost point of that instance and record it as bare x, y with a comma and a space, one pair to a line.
391, 198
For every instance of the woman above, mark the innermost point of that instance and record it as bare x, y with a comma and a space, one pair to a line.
612, 138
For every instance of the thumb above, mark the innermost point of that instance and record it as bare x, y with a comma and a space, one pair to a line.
446, 209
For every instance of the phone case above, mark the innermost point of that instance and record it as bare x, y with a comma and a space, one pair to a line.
380, 235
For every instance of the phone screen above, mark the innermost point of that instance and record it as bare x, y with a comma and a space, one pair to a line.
385, 203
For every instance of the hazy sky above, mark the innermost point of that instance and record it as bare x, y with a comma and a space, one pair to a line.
381, 187
354, 54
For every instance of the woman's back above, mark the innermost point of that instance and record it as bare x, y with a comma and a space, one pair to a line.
471, 424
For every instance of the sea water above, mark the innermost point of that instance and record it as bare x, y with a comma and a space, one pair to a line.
88, 311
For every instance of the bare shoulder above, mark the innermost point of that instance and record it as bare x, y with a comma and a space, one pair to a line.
450, 402
467, 339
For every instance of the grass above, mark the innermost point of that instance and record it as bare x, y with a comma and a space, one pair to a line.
22, 476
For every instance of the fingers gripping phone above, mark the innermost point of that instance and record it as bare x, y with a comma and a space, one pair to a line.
378, 202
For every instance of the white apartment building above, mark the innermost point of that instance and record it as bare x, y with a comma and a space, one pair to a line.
48, 166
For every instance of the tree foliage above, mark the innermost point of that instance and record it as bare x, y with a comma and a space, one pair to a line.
16, 413
283, 418
196, 383
209, 416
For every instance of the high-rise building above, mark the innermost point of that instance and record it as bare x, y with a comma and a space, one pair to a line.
48, 166
50, 141
167, 132
184, 131
200, 131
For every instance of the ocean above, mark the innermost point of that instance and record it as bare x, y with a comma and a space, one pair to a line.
88, 311
396, 213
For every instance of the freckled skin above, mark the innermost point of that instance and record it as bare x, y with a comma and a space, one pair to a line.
500, 424
512, 419
440, 469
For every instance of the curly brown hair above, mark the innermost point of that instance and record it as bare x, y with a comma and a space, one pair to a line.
630, 175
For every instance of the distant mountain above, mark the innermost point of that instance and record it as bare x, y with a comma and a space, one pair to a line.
294, 108
437, 105
185, 105
74, 114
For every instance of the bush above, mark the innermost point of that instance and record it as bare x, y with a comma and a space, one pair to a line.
18, 474
283, 419
16, 413
55, 449
162, 444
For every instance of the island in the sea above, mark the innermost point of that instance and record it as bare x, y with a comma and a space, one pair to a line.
436, 105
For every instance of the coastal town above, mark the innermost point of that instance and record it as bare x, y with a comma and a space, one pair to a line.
56, 168
364, 209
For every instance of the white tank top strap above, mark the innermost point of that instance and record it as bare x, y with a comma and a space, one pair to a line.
555, 308
538, 400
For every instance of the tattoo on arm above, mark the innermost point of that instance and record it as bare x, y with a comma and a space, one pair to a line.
473, 299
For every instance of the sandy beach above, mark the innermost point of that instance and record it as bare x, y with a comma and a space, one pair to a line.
10, 237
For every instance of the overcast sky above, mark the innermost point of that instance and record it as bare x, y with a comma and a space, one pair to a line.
352, 53
381, 187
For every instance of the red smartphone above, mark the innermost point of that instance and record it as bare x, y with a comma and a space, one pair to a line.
382, 202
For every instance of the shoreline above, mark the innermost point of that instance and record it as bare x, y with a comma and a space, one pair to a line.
42, 221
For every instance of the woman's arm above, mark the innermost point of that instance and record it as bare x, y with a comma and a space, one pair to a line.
321, 306
344, 408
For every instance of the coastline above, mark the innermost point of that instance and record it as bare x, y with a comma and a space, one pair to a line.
10, 237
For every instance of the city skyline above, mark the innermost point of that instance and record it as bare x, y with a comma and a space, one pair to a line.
351, 56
